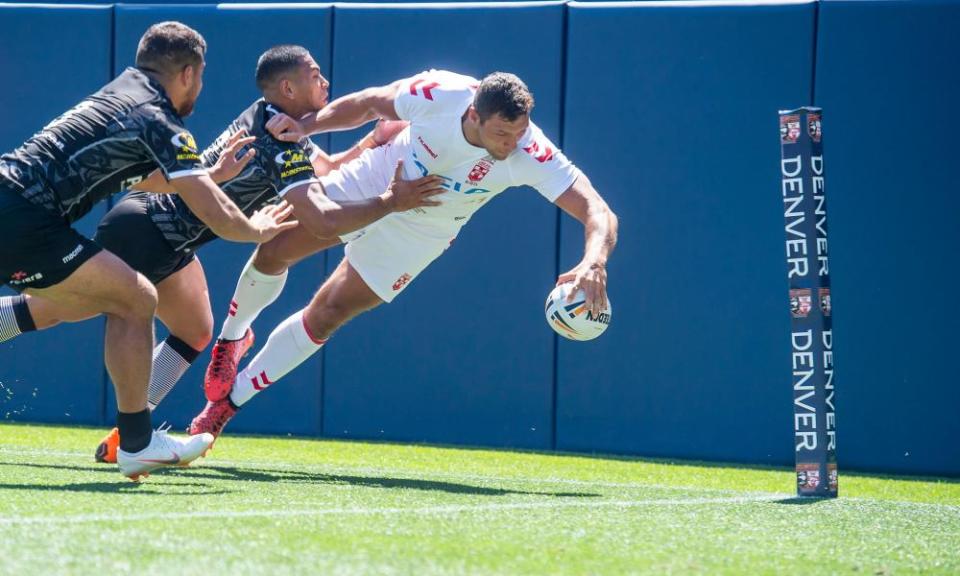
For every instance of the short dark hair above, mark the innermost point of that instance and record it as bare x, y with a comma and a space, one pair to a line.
277, 61
504, 94
169, 47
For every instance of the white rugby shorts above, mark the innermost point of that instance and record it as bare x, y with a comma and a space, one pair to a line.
387, 254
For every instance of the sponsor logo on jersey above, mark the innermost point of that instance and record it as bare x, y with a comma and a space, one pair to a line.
20, 278
427, 148
800, 302
449, 183
401, 282
479, 171
292, 162
76, 251
186, 146
789, 129
813, 127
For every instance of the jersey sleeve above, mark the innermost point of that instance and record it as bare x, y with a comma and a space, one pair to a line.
212, 152
172, 145
546, 168
433, 93
292, 167
310, 148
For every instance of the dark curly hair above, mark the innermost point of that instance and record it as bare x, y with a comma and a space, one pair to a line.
169, 47
504, 94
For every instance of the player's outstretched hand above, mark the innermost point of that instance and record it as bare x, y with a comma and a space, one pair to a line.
229, 165
285, 128
592, 279
403, 195
272, 220
386, 130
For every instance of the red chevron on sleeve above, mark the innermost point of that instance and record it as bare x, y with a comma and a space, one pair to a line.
426, 88
534, 150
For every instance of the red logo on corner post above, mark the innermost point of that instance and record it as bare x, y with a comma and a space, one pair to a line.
19, 275
825, 305
401, 282
813, 127
801, 301
789, 129
808, 477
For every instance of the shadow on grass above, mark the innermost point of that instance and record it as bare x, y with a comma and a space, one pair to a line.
803, 501
124, 486
117, 485
298, 477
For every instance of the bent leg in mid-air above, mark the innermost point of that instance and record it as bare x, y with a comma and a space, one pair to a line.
343, 296
260, 284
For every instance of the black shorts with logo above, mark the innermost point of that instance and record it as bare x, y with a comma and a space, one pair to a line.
38, 249
128, 231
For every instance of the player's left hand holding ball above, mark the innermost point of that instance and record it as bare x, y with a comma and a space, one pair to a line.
591, 277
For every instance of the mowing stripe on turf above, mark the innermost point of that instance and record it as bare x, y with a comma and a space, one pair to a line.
424, 511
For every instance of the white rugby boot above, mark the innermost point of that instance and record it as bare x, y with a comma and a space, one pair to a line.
163, 450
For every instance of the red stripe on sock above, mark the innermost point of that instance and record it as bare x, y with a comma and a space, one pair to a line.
314, 339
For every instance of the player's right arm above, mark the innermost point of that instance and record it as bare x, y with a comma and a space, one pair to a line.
428, 93
325, 218
217, 211
343, 113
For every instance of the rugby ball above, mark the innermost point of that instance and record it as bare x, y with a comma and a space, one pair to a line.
571, 319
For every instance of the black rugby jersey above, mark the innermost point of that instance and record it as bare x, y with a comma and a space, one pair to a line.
276, 168
109, 141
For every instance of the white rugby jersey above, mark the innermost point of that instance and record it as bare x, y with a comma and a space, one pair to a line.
434, 102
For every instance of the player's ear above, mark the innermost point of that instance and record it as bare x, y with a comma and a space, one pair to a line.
472, 115
185, 77
286, 88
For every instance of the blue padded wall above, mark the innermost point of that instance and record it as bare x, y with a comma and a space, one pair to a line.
463, 355
229, 87
886, 78
52, 58
677, 128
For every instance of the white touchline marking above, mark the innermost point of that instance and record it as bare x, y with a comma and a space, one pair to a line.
425, 511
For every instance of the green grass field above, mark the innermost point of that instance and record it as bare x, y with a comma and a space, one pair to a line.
286, 506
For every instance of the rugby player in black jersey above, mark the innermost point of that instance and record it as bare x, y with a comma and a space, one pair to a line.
112, 139
157, 234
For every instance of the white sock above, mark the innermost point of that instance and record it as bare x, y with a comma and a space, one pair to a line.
255, 291
288, 346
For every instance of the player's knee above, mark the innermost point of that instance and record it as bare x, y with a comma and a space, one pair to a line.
269, 260
136, 301
323, 318
199, 336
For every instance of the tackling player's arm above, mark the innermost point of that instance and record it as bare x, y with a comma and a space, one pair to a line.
217, 211
325, 218
343, 113
228, 166
384, 132
583, 202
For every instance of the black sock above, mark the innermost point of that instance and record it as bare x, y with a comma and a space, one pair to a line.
135, 430
15, 317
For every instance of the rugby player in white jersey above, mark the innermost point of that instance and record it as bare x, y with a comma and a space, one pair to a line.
479, 138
